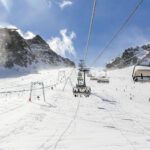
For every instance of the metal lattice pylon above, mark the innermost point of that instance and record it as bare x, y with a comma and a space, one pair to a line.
61, 75
68, 79
42, 88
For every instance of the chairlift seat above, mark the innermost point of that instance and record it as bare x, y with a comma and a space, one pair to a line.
93, 78
103, 80
141, 73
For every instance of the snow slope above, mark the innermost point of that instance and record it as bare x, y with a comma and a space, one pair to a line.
116, 116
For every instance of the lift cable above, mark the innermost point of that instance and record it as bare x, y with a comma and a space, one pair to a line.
117, 33
90, 30
136, 57
27, 90
81, 88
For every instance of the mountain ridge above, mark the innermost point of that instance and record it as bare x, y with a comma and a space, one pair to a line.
138, 55
18, 51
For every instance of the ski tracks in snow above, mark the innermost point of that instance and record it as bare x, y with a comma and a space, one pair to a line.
128, 123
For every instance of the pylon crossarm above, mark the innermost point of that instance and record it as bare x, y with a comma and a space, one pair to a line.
31, 89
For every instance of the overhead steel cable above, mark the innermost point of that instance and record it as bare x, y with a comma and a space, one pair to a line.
27, 90
116, 34
131, 58
90, 30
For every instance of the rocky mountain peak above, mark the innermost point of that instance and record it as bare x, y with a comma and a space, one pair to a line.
131, 56
15, 50
37, 40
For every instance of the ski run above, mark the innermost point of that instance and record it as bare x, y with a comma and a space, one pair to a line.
115, 117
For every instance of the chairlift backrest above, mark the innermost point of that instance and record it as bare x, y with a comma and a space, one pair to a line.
139, 71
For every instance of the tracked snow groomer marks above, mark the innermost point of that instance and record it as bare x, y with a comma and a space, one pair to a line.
81, 88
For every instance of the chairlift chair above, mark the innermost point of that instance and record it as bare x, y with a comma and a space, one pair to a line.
141, 73
103, 80
81, 88
93, 78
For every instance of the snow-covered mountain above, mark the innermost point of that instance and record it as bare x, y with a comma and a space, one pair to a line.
17, 51
115, 116
131, 56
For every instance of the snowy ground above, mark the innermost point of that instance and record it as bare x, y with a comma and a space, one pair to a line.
115, 117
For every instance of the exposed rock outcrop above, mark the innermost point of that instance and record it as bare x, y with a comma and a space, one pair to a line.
17, 51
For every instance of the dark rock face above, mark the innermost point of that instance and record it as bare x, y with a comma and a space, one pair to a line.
131, 56
44, 54
15, 50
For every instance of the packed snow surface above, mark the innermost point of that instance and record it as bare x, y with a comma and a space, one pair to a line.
115, 117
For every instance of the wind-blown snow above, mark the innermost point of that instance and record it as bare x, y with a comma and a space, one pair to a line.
27, 35
116, 116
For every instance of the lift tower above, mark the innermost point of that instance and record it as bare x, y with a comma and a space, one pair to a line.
81, 88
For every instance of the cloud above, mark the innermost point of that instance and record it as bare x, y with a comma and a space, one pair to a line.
27, 35
49, 3
6, 4
64, 44
6, 25
64, 4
